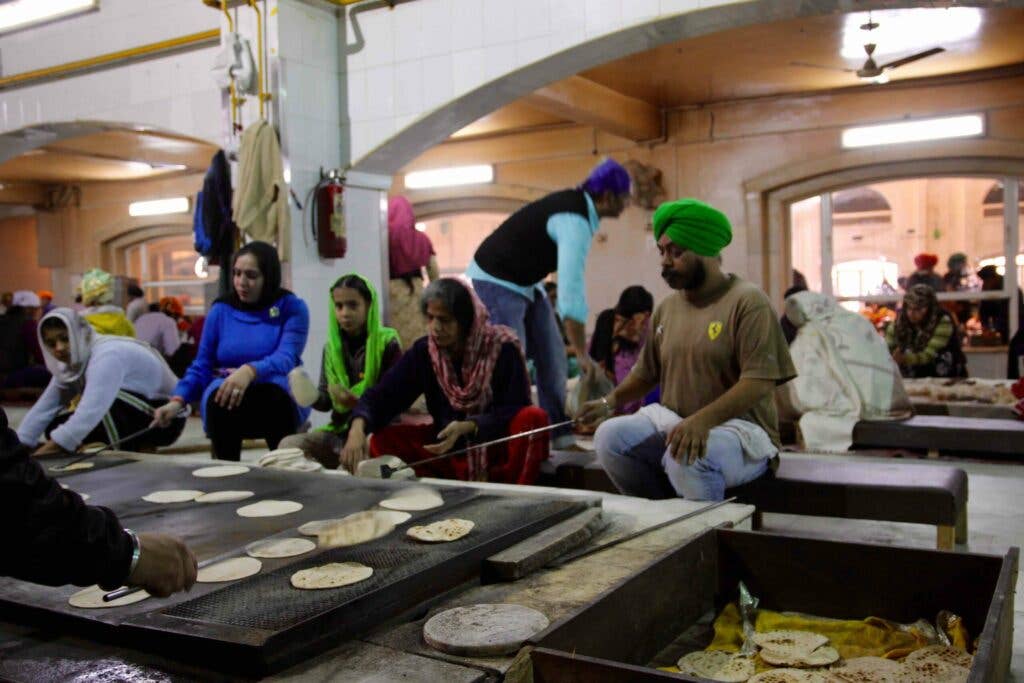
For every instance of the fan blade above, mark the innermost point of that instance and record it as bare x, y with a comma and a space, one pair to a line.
821, 66
913, 58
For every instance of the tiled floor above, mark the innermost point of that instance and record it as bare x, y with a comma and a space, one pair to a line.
995, 512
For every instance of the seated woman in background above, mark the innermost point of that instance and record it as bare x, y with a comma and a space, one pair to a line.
922, 340
251, 340
104, 388
359, 350
22, 365
619, 335
473, 375
97, 291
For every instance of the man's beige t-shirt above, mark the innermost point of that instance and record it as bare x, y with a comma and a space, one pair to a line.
698, 351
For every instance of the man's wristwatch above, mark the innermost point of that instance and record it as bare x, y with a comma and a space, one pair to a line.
136, 551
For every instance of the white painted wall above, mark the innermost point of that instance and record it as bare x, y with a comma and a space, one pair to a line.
173, 92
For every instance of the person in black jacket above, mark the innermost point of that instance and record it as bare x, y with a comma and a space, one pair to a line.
53, 538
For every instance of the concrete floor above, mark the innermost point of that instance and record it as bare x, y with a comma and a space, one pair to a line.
995, 518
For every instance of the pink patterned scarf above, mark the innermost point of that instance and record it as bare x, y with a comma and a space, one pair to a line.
472, 394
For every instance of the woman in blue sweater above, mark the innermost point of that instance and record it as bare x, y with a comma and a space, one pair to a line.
251, 341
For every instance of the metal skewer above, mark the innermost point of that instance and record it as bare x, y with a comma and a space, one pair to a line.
604, 546
129, 590
386, 470
184, 412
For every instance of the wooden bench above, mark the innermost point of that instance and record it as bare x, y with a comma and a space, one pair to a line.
964, 435
883, 491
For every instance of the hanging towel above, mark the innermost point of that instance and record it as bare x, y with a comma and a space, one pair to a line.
260, 203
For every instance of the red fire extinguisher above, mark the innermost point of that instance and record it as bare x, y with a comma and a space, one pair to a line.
328, 215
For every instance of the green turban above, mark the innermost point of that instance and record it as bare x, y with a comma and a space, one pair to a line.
97, 287
693, 225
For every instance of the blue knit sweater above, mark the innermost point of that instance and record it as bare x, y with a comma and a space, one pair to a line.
270, 340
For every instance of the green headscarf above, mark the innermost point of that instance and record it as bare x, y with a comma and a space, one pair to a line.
693, 225
377, 339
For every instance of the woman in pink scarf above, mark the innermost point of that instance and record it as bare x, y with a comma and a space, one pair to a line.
473, 376
409, 252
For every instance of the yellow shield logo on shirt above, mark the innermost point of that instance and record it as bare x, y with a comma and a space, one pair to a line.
714, 329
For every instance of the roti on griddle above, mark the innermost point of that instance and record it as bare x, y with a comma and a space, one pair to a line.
224, 496
333, 575
92, 598
442, 531
72, 467
220, 471
413, 499
269, 508
354, 529
172, 496
280, 547
716, 665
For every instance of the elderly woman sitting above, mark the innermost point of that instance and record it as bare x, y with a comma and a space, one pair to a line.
473, 375
923, 339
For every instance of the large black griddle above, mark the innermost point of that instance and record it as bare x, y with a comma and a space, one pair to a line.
261, 623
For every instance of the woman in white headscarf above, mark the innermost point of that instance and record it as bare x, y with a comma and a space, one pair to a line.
104, 388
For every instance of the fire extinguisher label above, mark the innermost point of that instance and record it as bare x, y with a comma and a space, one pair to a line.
338, 217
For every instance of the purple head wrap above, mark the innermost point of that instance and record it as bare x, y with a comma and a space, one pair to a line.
607, 176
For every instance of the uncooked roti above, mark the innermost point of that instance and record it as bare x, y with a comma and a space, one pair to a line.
172, 496
717, 666
441, 531
303, 389
92, 598
482, 630
229, 570
269, 508
333, 575
280, 547
220, 471
224, 496
72, 467
414, 498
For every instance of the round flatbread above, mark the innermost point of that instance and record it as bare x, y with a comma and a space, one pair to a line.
220, 471
795, 643
395, 517
229, 570
413, 499
483, 630
359, 527
932, 671
717, 666
172, 496
279, 455
269, 508
863, 669
280, 547
790, 676
316, 526
823, 656
443, 531
333, 575
92, 598
72, 467
941, 653
224, 496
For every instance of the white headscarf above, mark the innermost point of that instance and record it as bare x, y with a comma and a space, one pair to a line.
82, 339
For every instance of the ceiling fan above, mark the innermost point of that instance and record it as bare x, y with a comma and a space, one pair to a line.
872, 71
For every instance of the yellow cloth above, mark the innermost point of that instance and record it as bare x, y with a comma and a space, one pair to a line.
111, 323
260, 203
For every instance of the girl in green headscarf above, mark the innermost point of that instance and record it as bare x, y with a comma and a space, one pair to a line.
359, 350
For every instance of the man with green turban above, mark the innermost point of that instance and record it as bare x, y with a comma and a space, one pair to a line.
717, 352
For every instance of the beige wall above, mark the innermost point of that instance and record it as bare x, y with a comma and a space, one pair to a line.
711, 152
19, 247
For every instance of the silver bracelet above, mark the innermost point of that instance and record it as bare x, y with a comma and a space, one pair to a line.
136, 551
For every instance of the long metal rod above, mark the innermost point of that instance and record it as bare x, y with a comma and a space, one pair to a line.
485, 444
184, 412
604, 546
129, 590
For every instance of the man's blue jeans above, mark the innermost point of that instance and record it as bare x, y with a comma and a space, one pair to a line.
633, 453
535, 325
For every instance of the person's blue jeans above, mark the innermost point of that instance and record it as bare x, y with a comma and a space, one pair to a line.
633, 453
535, 325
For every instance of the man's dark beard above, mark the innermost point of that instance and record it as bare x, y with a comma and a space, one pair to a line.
688, 282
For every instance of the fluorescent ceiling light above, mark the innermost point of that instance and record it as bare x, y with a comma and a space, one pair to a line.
914, 131
907, 30
21, 13
449, 177
159, 207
